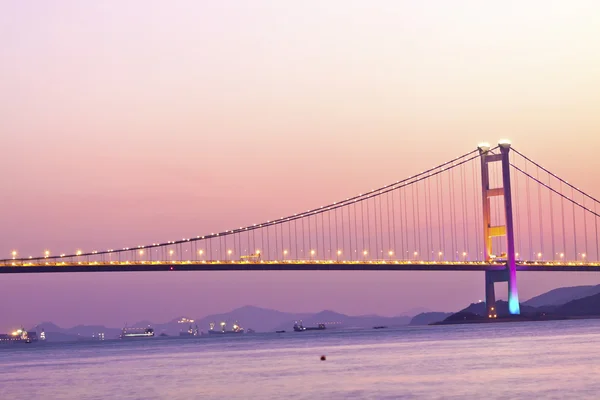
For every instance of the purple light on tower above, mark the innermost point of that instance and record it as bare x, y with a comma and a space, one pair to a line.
513, 295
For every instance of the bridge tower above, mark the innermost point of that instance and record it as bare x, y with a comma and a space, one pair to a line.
489, 231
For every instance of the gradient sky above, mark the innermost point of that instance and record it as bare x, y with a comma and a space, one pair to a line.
130, 122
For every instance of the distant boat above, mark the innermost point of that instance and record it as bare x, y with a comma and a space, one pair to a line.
279, 331
234, 329
18, 336
298, 327
190, 332
136, 333
380, 327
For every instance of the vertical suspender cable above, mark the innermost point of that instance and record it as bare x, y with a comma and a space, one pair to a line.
387, 202
426, 218
323, 231
562, 210
412, 195
329, 226
380, 224
439, 213
268, 257
296, 239
517, 210
402, 206
368, 228
394, 224
289, 224
418, 226
529, 215
551, 217
429, 200
337, 246
443, 249
574, 223
405, 207
282, 245
540, 211
462, 203
349, 232
362, 224
596, 227
355, 232
585, 247
452, 212
342, 228
476, 210
376, 228
468, 250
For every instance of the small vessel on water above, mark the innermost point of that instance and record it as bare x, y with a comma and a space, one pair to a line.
133, 333
380, 327
298, 327
223, 325
190, 332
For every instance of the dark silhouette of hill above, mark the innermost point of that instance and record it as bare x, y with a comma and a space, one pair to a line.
587, 306
414, 311
501, 308
464, 316
427, 318
562, 295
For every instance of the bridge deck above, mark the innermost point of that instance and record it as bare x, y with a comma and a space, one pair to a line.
147, 266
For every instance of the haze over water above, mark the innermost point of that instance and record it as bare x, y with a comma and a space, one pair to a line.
555, 359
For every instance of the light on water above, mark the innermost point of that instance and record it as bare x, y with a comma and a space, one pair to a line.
556, 359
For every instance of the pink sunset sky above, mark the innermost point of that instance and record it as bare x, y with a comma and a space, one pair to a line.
131, 122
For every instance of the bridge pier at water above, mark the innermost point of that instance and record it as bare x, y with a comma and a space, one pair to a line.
491, 277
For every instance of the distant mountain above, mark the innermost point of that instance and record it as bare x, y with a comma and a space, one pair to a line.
79, 332
427, 318
587, 306
415, 311
562, 295
259, 319
335, 320
93, 330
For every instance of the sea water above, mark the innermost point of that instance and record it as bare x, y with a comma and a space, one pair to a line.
530, 360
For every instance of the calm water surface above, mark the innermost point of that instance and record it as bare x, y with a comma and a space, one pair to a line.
552, 360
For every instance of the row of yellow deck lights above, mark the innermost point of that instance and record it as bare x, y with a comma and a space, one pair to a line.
229, 252
285, 252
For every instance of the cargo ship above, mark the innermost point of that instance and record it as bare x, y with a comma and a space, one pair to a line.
223, 329
134, 333
20, 336
298, 327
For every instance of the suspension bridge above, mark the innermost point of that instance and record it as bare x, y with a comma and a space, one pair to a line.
492, 209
